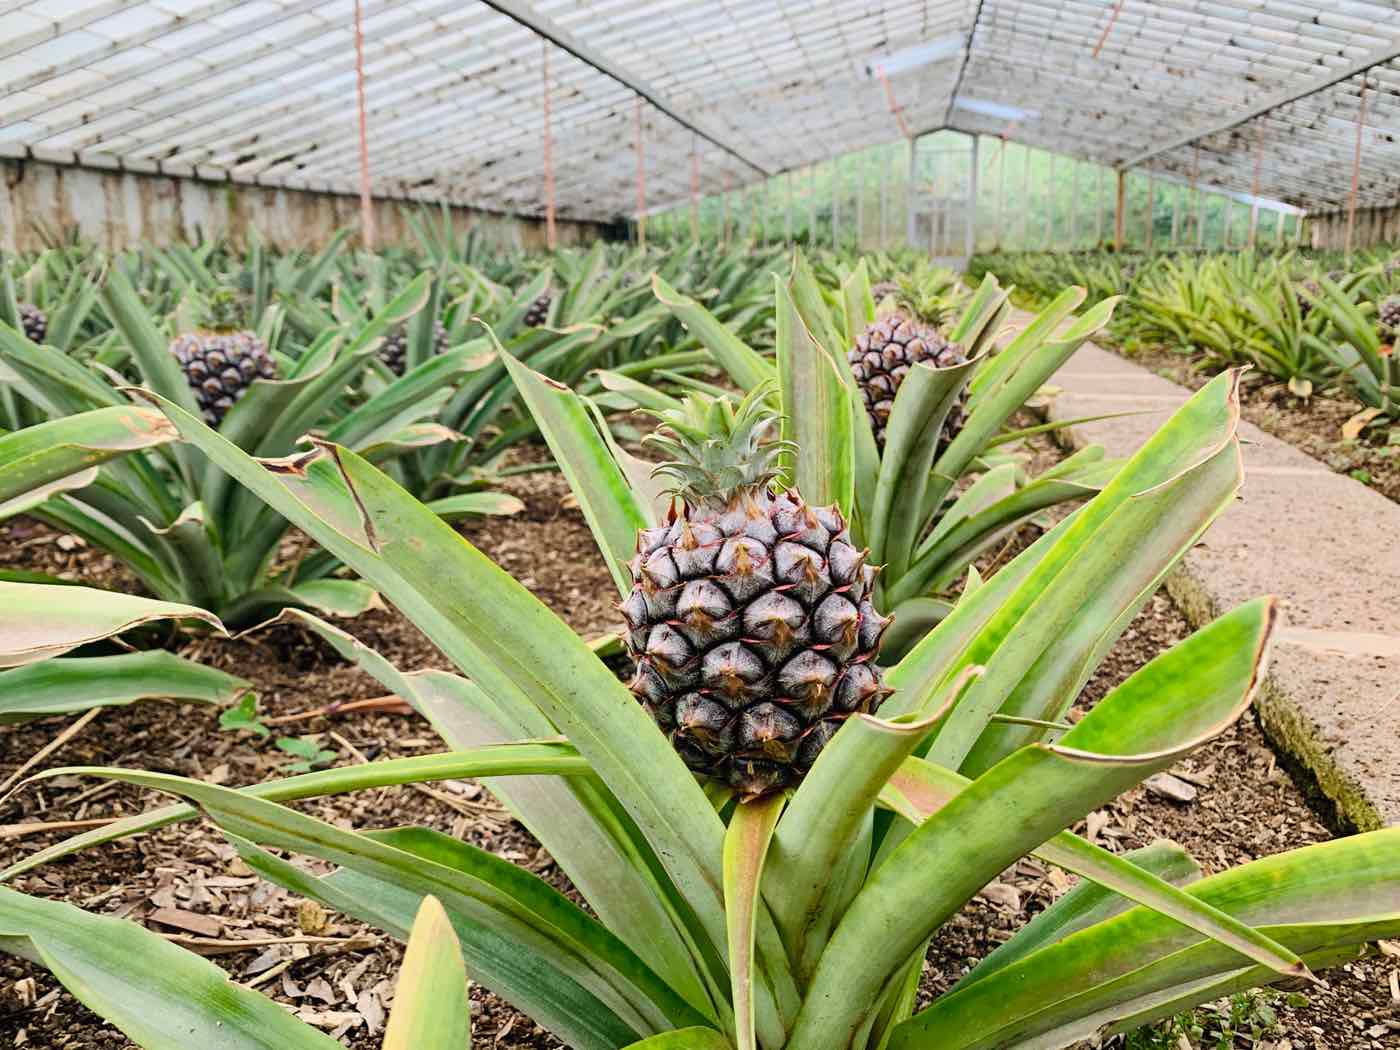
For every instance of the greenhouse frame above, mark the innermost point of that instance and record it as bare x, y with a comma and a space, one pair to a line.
700, 524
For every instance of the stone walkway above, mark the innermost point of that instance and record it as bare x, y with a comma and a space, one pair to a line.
1326, 545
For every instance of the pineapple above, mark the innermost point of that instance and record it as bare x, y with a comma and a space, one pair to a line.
394, 350
538, 311
882, 290
1389, 315
220, 362
887, 349
1309, 291
750, 616
34, 322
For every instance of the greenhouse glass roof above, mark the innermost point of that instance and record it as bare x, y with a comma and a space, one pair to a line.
1269, 99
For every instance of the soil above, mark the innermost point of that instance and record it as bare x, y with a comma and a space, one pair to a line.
1313, 425
187, 883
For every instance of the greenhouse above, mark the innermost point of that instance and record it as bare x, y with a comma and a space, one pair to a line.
700, 525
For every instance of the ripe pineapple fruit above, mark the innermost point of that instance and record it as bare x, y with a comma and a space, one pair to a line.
394, 350
538, 311
750, 616
1388, 313
220, 361
34, 322
887, 349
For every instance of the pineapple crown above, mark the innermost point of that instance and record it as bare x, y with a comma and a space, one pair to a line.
923, 303
715, 449
223, 310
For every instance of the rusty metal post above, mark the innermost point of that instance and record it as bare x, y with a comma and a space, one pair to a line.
366, 203
550, 234
1355, 170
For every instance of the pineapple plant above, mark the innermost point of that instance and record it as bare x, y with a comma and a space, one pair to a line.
884, 353
221, 361
538, 311
750, 615
394, 350
34, 322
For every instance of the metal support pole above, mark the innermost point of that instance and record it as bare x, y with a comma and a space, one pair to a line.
550, 234
1118, 211
1355, 170
1151, 211
366, 203
973, 185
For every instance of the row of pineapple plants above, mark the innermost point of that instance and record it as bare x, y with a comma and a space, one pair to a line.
1317, 322
835, 730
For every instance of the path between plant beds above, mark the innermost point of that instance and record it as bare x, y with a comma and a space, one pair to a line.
1328, 546
1245, 807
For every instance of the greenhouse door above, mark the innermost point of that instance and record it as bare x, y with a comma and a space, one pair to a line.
942, 180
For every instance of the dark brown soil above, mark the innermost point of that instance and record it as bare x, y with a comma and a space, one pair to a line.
1313, 425
1247, 807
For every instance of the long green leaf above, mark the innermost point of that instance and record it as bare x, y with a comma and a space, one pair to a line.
744, 365
69, 684
38, 621
745, 847
613, 512
505, 760
160, 995
1313, 900
64, 453
817, 411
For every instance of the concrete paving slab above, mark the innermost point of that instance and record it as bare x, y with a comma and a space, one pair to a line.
1326, 545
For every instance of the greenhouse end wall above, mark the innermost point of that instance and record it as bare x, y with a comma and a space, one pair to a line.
1372, 226
115, 209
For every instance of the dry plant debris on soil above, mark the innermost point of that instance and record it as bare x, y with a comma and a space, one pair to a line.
1229, 803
